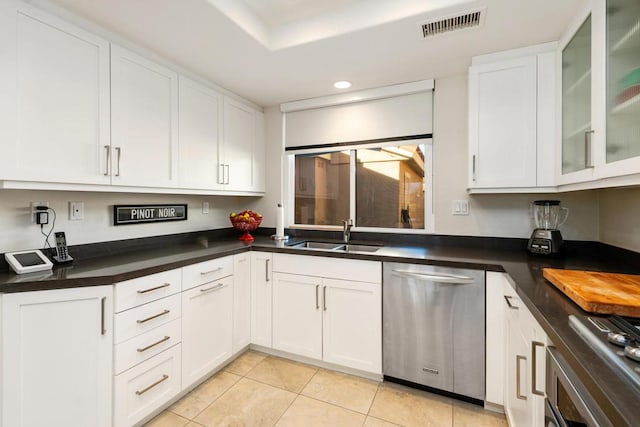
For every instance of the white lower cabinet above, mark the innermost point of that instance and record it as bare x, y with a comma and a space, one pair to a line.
146, 387
261, 298
206, 328
57, 357
525, 343
297, 314
241, 301
337, 320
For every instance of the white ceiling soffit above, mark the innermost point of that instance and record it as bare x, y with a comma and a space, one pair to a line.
280, 24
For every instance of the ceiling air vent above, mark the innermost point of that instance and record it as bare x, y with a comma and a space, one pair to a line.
453, 23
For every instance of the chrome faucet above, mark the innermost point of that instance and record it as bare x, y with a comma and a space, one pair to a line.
346, 229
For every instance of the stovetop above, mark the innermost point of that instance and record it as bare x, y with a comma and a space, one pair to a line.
615, 338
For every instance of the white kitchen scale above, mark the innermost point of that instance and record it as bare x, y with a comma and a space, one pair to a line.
28, 261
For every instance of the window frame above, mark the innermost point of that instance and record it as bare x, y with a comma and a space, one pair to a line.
289, 186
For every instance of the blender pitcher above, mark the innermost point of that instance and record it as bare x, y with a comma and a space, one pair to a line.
547, 214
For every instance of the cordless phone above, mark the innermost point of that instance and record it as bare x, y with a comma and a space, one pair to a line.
62, 251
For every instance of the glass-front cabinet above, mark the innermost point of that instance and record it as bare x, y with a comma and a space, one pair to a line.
623, 80
600, 96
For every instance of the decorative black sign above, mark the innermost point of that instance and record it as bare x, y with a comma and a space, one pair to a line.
127, 214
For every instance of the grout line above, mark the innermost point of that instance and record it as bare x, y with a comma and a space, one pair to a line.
374, 398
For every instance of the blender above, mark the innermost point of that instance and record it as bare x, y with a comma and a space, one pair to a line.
546, 238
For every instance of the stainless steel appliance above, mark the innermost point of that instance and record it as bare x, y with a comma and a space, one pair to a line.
433, 327
546, 239
568, 403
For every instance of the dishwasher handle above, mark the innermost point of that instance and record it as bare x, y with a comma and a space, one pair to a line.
453, 279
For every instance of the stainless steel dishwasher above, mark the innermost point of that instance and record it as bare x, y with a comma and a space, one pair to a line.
433, 327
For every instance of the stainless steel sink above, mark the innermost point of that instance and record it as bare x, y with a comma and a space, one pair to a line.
358, 248
317, 245
342, 247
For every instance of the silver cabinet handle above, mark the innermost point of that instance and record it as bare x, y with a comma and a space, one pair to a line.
588, 161
534, 367
103, 302
144, 291
146, 389
227, 167
220, 173
266, 270
155, 316
143, 349
507, 298
473, 168
119, 153
204, 273
518, 372
212, 288
107, 158
317, 302
440, 277
324, 298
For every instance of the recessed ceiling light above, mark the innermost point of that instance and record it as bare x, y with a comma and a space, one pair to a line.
342, 84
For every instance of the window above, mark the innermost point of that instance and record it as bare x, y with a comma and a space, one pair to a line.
381, 187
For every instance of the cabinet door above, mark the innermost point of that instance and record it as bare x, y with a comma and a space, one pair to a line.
518, 403
622, 151
144, 121
502, 124
297, 314
259, 165
261, 298
239, 140
200, 110
352, 324
206, 328
57, 349
579, 133
54, 108
241, 301
495, 340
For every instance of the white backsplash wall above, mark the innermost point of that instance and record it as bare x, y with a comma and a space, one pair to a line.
18, 232
619, 217
505, 215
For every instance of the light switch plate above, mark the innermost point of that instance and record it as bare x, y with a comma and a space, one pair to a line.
76, 211
460, 207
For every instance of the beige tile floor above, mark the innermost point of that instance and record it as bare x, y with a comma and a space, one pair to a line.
261, 390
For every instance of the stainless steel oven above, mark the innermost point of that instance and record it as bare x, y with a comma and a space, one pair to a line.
569, 404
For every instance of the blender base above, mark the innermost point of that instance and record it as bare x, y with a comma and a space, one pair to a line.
546, 242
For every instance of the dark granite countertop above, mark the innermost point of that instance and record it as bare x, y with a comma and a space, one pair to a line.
618, 398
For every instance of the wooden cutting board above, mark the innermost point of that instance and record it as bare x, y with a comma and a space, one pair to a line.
595, 292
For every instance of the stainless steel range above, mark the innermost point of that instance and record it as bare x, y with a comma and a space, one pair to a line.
616, 339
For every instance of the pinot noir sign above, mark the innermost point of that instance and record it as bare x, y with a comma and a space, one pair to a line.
136, 214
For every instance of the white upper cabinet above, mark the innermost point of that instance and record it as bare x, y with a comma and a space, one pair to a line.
243, 142
54, 108
144, 121
259, 177
511, 120
200, 135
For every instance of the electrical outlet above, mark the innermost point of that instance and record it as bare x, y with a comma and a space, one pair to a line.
460, 207
205, 207
76, 211
34, 205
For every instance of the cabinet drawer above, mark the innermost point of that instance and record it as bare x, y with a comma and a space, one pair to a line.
331, 268
205, 272
146, 317
146, 289
140, 348
144, 388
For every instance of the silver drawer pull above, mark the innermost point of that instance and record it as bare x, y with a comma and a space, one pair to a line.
146, 389
534, 367
518, 380
154, 316
144, 291
204, 273
143, 349
439, 277
431, 370
212, 288
507, 298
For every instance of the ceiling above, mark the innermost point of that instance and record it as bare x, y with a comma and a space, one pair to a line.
274, 51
